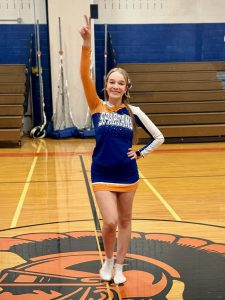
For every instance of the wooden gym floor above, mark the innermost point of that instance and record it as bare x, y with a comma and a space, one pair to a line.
50, 227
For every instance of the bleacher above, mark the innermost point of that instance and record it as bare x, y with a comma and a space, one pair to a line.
185, 100
12, 89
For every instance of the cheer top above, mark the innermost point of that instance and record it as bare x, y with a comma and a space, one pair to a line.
111, 168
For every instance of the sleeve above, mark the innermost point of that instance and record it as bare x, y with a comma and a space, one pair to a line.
89, 87
156, 136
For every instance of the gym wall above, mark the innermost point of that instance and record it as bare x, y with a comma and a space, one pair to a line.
142, 30
160, 31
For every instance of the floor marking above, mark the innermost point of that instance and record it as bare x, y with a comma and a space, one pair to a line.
162, 200
90, 196
176, 291
24, 192
89, 153
31, 154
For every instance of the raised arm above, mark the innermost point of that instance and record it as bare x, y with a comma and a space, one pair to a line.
88, 84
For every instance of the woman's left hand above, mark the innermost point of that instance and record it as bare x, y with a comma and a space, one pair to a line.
132, 154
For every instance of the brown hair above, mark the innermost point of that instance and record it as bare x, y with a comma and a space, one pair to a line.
125, 98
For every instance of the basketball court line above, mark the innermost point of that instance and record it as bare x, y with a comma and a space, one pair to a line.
186, 176
90, 196
161, 199
84, 153
24, 191
147, 178
90, 220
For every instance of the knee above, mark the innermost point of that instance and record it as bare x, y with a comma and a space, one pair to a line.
110, 225
125, 222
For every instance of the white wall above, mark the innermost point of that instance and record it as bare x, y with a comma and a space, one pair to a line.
160, 11
71, 13
122, 11
25, 10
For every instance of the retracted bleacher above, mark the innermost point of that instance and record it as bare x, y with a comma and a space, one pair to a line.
12, 89
185, 100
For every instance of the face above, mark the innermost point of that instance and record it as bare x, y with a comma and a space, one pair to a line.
116, 87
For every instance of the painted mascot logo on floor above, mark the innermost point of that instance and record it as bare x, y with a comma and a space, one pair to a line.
65, 266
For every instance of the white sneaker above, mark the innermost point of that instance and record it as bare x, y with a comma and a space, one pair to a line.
118, 274
106, 272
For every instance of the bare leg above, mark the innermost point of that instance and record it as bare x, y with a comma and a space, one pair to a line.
124, 204
107, 203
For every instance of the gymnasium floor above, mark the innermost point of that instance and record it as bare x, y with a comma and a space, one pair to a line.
50, 227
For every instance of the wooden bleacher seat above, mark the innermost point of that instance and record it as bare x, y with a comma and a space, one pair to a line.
185, 100
12, 89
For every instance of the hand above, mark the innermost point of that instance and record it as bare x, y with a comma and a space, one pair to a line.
132, 154
85, 30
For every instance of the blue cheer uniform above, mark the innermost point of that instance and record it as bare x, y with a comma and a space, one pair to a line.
111, 168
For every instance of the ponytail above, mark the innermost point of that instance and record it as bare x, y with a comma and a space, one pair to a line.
134, 125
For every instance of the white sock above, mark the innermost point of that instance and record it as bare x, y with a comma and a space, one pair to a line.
106, 272
118, 274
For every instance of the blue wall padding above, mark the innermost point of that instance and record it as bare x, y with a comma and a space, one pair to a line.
141, 43
133, 43
14, 49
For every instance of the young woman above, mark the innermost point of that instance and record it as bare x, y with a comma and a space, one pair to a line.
114, 172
